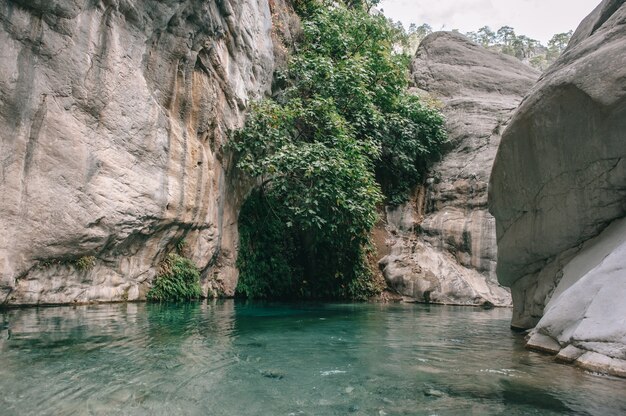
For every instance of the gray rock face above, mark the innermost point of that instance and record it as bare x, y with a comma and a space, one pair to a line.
443, 241
558, 181
113, 117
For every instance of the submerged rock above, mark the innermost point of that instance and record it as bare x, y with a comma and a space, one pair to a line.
558, 192
443, 245
113, 117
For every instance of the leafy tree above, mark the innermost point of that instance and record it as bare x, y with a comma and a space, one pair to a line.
539, 62
263, 274
343, 126
557, 44
525, 47
415, 35
473, 36
505, 35
422, 30
486, 36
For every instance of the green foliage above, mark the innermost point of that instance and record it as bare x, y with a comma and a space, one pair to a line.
557, 45
522, 47
182, 247
306, 8
506, 35
343, 121
85, 263
178, 280
346, 85
279, 261
486, 36
267, 260
412, 137
415, 35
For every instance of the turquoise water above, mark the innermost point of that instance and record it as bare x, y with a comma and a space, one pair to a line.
229, 358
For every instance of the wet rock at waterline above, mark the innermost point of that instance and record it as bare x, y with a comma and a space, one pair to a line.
113, 117
442, 243
558, 193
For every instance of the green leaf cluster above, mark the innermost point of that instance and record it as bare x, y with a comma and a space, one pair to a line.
268, 258
85, 263
279, 260
342, 136
178, 280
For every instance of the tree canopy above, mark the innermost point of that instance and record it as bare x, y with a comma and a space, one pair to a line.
342, 135
522, 47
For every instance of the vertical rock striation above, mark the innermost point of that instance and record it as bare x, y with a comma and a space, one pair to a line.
443, 246
113, 118
558, 193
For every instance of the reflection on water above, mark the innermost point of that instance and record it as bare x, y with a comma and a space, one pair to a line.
227, 358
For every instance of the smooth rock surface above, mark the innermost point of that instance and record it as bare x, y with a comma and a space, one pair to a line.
443, 245
113, 117
587, 309
558, 192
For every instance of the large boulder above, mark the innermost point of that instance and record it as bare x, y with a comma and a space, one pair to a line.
558, 192
443, 245
113, 116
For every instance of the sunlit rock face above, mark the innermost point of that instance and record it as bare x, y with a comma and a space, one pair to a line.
443, 246
113, 120
558, 193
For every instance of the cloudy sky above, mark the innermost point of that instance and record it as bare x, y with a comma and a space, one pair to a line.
538, 19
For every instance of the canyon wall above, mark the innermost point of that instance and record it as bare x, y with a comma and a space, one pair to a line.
113, 120
558, 193
442, 243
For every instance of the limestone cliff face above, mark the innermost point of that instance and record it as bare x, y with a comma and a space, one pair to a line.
443, 246
558, 193
113, 118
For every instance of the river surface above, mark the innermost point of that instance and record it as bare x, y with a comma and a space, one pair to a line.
231, 358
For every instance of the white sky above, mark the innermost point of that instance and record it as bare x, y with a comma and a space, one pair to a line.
538, 19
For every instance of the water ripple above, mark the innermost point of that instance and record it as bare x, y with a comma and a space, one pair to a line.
227, 358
